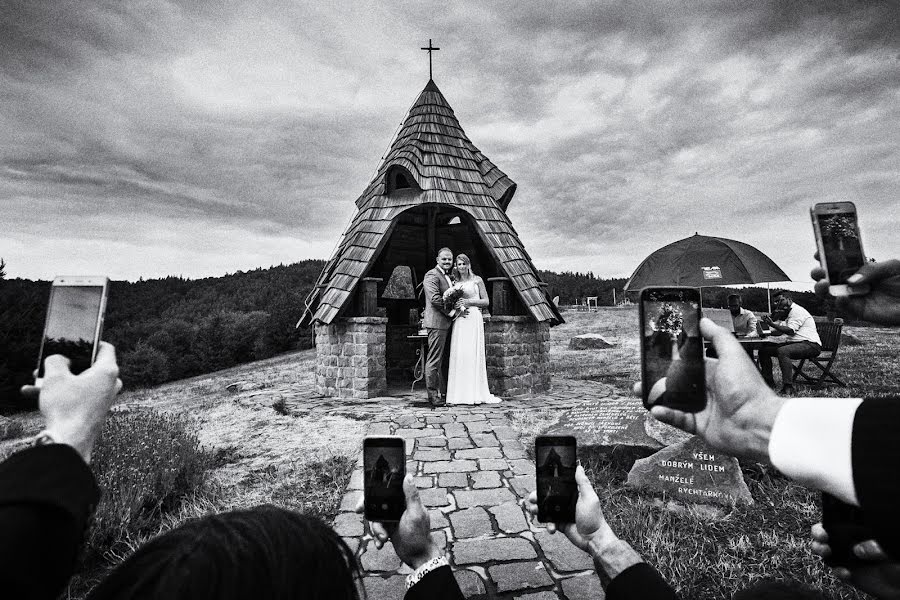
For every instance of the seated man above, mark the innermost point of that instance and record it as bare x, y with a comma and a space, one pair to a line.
744, 320
802, 340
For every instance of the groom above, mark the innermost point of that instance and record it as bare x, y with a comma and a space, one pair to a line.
437, 322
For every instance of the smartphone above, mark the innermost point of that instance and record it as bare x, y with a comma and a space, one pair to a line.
384, 467
839, 243
74, 321
556, 459
846, 527
672, 368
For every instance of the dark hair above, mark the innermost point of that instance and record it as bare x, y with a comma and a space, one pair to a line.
444, 249
771, 589
265, 552
734, 297
784, 293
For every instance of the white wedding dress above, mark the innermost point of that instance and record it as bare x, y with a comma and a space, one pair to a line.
467, 381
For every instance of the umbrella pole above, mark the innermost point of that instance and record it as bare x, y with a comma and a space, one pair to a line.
769, 296
701, 297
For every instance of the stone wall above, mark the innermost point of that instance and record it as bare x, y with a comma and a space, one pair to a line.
518, 354
350, 358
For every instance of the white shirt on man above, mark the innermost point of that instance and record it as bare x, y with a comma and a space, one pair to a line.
803, 325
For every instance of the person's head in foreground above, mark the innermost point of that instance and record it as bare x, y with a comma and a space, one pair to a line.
265, 552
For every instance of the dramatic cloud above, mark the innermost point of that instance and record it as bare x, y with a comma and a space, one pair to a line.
148, 138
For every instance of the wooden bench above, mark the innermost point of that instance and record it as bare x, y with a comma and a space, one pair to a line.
830, 334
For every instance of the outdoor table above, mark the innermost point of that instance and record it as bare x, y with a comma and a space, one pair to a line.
751, 345
421, 352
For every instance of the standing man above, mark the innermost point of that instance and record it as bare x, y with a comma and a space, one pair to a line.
437, 322
744, 320
802, 341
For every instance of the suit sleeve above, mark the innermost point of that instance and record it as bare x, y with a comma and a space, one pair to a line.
47, 495
640, 582
875, 456
433, 291
439, 584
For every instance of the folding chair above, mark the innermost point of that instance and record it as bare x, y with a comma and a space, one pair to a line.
830, 334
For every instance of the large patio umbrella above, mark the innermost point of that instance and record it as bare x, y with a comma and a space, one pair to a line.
701, 261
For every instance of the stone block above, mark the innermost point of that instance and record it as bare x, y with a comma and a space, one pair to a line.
385, 559
348, 502
431, 455
438, 519
455, 430
431, 442
506, 433
583, 586
485, 479
478, 453
522, 485
459, 443
467, 417
478, 427
434, 497
522, 467
453, 480
348, 524
449, 466
519, 576
467, 552
491, 497
356, 480
423, 482
510, 518
485, 440
470, 523
493, 464
564, 556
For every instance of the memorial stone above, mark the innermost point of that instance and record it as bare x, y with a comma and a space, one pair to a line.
690, 471
614, 421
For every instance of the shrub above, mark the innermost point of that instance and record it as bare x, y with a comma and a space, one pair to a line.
145, 463
144, 366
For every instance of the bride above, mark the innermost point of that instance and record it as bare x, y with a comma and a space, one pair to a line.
467, 376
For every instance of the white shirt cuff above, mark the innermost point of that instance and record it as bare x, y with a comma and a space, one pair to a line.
811, 443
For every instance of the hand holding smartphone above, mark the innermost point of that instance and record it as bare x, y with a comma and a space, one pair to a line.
384, 467
672, 363
557, 493
839, 243
846, 527
74, 322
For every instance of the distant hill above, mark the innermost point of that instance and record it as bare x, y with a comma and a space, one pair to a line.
166, 329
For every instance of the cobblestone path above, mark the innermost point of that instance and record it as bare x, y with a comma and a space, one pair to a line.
471, 471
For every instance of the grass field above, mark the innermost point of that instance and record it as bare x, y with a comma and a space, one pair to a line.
269, 447
713, 556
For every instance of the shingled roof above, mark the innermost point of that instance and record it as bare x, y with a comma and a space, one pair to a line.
448, 169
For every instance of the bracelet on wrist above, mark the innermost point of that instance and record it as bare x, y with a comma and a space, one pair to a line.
417, 575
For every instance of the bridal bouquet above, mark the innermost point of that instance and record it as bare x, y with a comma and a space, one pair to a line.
670, 320
453, 295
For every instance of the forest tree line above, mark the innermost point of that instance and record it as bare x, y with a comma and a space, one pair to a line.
172, 328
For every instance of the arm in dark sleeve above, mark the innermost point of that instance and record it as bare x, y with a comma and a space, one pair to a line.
875, 456
433, 291
47, 495
639, 582
439, 584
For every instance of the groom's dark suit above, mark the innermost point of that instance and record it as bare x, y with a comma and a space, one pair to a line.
437, 322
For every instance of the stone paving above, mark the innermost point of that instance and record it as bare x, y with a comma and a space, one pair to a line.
471, 471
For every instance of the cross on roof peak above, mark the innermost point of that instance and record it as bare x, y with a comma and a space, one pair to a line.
430, 48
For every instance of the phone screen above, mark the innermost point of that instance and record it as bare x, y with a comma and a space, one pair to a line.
672, 367
841, 246
384, 467
71, 328
557, 492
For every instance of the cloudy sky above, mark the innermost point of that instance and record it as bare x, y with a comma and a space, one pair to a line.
152, 138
